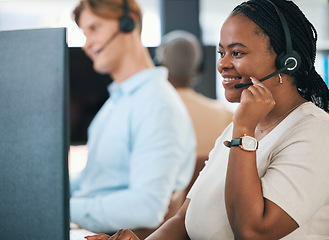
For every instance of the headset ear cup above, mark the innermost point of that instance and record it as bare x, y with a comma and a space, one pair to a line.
127, 24
285, 59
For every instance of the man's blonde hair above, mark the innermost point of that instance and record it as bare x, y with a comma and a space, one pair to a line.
111, 9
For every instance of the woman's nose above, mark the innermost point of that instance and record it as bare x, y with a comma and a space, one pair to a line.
224, 63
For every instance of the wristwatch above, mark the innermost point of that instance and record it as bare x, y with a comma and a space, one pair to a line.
246, 143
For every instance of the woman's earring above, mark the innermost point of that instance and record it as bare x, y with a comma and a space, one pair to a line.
280, 78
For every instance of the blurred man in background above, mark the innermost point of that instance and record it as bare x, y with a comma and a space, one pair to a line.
141, 144
181, 53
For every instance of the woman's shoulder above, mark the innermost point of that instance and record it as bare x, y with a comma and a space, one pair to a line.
307, 116
306, 122
311, 111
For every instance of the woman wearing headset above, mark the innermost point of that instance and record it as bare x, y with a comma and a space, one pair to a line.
267, 176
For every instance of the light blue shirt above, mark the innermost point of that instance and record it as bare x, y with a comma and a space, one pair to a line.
141, 147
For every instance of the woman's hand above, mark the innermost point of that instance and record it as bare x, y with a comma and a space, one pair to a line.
122, 234
255, 103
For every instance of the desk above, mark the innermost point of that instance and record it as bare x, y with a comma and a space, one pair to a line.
77, 233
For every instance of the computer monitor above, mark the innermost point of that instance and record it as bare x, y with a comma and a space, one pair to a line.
88, 92
34, 192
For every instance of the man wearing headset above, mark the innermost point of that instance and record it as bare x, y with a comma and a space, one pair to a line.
141, 144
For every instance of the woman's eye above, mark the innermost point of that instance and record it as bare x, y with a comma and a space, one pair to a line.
221, 53
237, 54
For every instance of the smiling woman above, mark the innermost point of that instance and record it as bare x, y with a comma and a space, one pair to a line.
274, 185
243, 53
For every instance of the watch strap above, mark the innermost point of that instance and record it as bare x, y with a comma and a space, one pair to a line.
236, 142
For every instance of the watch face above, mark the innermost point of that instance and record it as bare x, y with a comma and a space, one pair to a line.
249, 143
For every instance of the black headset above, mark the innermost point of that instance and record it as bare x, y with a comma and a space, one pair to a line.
289, 56
287, 62
127, 24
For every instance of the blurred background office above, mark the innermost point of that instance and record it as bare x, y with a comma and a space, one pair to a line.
202, 18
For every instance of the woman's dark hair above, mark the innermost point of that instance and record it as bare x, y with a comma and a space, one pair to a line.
309, 83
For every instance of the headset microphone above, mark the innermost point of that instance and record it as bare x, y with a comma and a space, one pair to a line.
108, 41
126, 25
288, 61
241, 85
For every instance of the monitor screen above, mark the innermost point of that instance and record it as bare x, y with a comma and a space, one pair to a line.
88, 92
